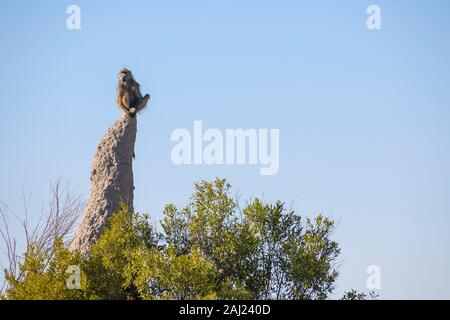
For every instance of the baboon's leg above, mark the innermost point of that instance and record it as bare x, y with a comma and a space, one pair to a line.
143, 102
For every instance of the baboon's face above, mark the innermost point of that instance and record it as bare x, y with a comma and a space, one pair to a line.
124, 75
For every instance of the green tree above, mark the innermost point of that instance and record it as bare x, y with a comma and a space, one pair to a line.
42, 276
210, 249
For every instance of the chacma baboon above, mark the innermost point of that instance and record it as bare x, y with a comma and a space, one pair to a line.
129, 97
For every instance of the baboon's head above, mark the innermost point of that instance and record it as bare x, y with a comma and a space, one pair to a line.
125, 75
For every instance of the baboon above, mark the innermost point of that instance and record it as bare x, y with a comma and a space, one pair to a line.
129, 97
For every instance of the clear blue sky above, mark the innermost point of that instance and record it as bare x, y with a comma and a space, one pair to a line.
364, 116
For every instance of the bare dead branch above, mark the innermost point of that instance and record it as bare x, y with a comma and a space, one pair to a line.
56, 221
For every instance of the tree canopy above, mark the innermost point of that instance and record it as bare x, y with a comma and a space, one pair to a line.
209, 249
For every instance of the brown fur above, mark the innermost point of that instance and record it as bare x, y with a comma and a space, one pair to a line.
129, 97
